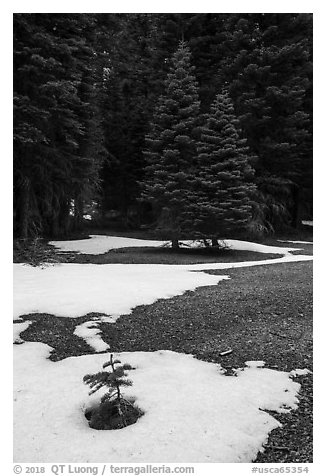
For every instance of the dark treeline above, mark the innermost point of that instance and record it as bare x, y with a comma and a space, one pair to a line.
115, 110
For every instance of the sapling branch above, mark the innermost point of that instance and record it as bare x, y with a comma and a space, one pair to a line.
113, 378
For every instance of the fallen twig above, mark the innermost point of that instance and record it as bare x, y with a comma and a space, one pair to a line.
226, 352
277, 448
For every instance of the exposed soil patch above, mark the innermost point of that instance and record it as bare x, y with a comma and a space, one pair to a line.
58, 333
149, 255
108, 416
293, 442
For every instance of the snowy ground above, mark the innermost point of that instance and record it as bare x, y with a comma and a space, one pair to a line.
98, 244
296, 242
74, 290
224, 413
307, 222
92, 335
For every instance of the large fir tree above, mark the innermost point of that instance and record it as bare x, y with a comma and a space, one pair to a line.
224, 180
171, 153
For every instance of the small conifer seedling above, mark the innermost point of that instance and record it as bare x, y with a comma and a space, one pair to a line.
114, 411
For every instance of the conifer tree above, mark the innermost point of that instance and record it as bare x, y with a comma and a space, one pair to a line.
268, 64
133, 82
114, 410
224, 184
171, 154
56, 152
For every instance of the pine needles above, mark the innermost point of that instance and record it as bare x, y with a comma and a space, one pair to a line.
114, 411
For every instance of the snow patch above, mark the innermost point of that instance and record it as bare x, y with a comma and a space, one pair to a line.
184, 400
19, 327
298, 242
257, 247
74, 290
300, 372
255, 363
91, 334
98, 244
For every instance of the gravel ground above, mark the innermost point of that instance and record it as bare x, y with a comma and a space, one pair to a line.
167, 256
261, 313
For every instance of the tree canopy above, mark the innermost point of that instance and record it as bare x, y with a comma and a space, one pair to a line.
111, 109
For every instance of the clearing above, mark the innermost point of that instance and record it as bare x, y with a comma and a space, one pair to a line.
220, 344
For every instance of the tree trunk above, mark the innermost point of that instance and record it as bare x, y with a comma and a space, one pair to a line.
297, 208
175, 244
55, 228
78, 212
24, 208
64, 218
214, 241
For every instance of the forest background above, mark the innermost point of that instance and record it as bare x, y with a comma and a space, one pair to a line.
86, 92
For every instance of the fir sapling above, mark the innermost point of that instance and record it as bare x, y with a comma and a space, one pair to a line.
114, 411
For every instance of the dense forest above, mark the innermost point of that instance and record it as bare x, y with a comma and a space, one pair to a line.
190, 124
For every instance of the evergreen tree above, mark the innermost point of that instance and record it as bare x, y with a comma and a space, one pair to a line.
114, 411
267, 62
171, 153
62, 100
205, 35
52, 119
133, 82
91, 148
224, 179
265, 58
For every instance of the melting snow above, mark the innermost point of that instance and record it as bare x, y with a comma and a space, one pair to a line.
91, 334
307, 222
98, 244
296, 242
299, 372
257, 247
255, 363
184, 400
19, 327
76, 289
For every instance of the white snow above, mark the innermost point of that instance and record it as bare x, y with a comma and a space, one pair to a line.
257, 247
182, 398
307, 222
296, 242
98, 244
76, 289
244, 264
92, 335
241, 246
185, 401
19, 327
300, 372
255, 363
